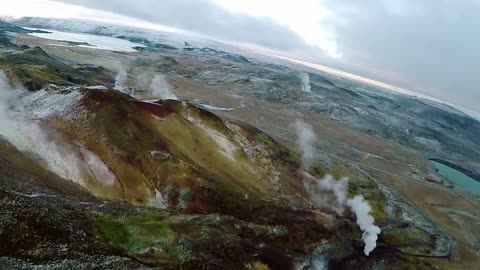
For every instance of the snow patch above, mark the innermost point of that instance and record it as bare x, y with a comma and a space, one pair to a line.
227, 147
215, 108
44, 103
96, 87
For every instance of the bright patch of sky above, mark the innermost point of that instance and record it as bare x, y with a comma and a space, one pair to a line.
304, 17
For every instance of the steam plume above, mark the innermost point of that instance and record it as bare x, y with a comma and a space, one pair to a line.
362, 209
306, 87
5, 96
161, 89
121, 78
21, 123
305, 139
328, 191
27, 135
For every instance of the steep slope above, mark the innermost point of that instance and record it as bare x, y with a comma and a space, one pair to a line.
92, 178
222, 194
152, 146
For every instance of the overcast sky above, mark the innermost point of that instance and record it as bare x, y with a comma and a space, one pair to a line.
428, 46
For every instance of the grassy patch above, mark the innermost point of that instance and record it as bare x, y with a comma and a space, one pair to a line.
279, 150
118, 136
135, 233
372, 194
413, 240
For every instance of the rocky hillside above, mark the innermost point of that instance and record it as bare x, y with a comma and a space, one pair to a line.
121, 183
92, 178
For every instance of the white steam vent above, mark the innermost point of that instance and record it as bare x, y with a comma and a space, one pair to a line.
330, 192
362, 209
306, 87
121, 78
161, 89
305, 140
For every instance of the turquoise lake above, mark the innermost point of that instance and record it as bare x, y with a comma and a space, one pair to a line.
458, 178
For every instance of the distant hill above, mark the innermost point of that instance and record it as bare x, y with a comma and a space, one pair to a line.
8, 27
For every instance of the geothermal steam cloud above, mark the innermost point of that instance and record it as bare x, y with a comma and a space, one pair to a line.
306, 87
26, 134
161, 89
305, 140
362, 209
121, 78
328, 191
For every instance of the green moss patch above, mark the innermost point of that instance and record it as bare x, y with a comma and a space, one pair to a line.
279, 150
410, 240
135, 234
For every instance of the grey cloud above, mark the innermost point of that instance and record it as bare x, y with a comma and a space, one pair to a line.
425, 46
203, 17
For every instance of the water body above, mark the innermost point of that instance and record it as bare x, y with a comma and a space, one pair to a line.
93, 41
458, 178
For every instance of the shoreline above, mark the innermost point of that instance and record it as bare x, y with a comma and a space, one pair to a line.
468, 173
